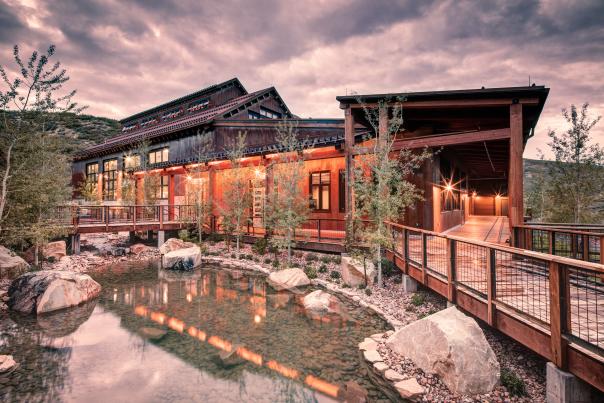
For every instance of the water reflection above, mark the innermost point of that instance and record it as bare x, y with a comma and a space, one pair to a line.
283, 353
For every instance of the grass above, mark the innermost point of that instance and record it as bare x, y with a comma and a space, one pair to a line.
512, 382
311, 272
334, 274
323, 268
418, 299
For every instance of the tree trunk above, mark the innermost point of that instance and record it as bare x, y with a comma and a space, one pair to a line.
289, 247
36, 255
5, 177
379, 264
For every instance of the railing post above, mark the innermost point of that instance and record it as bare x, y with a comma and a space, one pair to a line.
424, 250
491, 286
558, 313
319, 229
585, 239
451, 297
406, 249
161, 217
602, 250
552, 243
106, 212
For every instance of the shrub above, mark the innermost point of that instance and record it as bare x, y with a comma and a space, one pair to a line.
214, 237
512, 383
295, 265
311, 272
275, 263
272, 249
337, 259
323, 269
248, 256
388, 268
345, 285
418, 299
311, 257
368, 291
361, 286
325, 259
233, 256
260, 246
334, 274
184, 235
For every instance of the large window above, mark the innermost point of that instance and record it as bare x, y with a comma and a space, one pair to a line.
132, 161
157, 156
109, 179
320, 189
342, 191
92, 172
164, 186
267, 113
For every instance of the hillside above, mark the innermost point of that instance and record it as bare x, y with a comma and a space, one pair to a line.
82, 131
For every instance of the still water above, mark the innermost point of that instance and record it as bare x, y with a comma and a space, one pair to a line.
211, 335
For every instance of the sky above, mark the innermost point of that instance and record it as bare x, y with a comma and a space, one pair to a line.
126, 56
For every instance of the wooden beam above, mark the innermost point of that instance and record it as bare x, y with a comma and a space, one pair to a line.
349, 160
454, 103
557, 314
516, 174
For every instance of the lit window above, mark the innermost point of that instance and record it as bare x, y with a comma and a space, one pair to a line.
132, 161
163, 189
320, 189
92, 172
109, 179
253, 115
267, 113
157, 156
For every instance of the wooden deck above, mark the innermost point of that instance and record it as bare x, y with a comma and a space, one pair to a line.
494, 229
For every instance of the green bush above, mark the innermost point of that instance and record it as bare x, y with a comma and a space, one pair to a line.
361, 286
268, 260
275, 263
184, 235
334, 274
512, 383
326, 259
418, 299
388, 268
368, 291
310, 272
323, 269
337, 259
295, 265
311, 257
260, 246
214, 237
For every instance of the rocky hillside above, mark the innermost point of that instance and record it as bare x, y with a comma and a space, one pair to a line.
82, 131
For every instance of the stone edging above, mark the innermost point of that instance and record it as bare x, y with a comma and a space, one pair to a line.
394, 385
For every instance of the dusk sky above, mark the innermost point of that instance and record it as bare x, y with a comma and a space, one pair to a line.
126, 56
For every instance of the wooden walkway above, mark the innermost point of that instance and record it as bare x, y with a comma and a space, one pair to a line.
494, 229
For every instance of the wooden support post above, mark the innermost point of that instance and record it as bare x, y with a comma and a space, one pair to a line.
602, 250
424, 249
161, 217
319, 229
585, 239
451, 297
552, 243
558, 313
211, 184
516, 174
349, 155
406, 251
491, 286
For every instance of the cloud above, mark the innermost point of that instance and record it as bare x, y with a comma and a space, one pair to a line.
127, 56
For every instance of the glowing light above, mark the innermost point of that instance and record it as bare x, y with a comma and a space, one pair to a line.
220, 344
158, 317
282, 369
141, 311
189, 297
257, 319
176, 324
249, 355
189, 177
322, 386
474, 194
192, 331
498, 196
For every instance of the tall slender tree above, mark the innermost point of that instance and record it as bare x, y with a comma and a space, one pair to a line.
197, 186
381, 187
287, 207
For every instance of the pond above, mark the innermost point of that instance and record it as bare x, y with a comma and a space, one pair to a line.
211, 335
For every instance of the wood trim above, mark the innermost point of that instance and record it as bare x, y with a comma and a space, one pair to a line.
458, 103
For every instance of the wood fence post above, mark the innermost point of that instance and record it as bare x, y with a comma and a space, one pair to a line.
558, 280
552, 243
424, 250
451, 295
491, 286
406, 249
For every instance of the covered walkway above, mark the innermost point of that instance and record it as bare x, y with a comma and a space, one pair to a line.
494, 229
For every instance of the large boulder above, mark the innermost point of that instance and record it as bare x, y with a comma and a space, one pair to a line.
55, 250
451, 345
353, 272
11, 265
321, 301
288, 279
138, 248
182, 259
50, 290
173, 244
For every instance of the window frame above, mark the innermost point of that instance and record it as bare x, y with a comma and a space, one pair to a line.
342, 191
94, 174
321, 186
109, 178
163, 187
159, 151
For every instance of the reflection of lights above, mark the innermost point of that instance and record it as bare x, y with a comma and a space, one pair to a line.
114, 296
257, 319
249, 355
189, 297
192, 331
141, 311
176, 324
282, 369
158, 317
322, 386
165, 293
220, 344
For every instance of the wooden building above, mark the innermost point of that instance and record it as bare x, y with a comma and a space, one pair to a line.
477, 136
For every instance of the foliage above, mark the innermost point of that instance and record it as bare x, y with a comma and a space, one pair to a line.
380, 185
311, 272
334, 274
259, 246
34, 170
323, 268
196, 194
287, 206
311, 257
512, 382
418, 299
571, 188
388, 268
368, 291
325, 259
275, 263
150, 182
237, 195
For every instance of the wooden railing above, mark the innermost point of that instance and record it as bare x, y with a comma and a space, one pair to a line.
586, 244
550, 304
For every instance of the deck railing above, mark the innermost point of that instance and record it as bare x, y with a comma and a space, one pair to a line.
560, 297
586, 244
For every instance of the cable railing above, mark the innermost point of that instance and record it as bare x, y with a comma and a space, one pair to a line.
557, 296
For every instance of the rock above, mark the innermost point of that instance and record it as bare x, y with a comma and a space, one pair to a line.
377, 337
230, 358
410, 389
380, 366
55, 250
352, 392
173, 244
353, 273
7, 364
372, 356
368, 344
50, 290
321, 301
152, 333
11, 265
393, 376
182, 259
288, 278
138, 248
451, 345
118, 252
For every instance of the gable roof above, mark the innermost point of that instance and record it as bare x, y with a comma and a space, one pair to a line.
233, 82
201, 118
